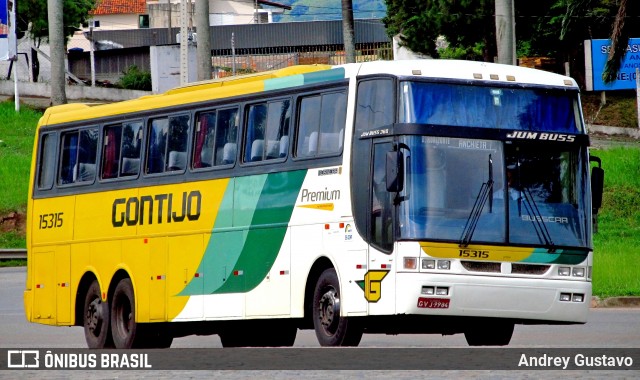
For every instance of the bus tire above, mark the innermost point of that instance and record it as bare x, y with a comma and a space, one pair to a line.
331, 328
124, 328
96, 320
493, 334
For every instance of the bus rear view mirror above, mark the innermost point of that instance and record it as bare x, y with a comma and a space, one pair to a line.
394, 171
597, 184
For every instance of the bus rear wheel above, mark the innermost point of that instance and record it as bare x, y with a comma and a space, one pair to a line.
331, 328
490, 334
123, 311
96, 319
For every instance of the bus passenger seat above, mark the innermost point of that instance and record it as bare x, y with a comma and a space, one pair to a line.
273, 149
206, 157
229, 153
313, 143
257, 148
177, 160
130, 166
284, 145
87, 172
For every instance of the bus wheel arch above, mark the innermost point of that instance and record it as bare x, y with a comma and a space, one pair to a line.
321, 264
332, 329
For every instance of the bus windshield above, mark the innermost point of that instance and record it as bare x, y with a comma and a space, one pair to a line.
528, 109
485, 191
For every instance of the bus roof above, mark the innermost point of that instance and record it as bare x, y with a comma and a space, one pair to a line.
305, 74
468, 70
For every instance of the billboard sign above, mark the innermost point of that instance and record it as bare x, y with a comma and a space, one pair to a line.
596, 53
4, 30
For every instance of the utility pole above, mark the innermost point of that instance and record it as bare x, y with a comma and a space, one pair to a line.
505, 32
204, 40
56, 43
184, 43
348, 31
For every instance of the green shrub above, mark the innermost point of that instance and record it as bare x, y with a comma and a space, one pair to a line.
135, 79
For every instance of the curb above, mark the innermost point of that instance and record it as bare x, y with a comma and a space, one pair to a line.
630, 302
614, 131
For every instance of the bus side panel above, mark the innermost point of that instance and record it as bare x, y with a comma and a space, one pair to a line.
182, 269
53, 220
63, 285
44, 287
136, 253
271, 297
157, 279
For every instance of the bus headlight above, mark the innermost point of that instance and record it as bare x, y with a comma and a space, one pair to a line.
578, 272
444, 264
428, 264
564, 271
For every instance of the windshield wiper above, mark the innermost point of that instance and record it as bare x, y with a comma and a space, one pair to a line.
536, 218
485, 193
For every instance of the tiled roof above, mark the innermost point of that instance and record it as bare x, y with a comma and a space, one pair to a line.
117, 7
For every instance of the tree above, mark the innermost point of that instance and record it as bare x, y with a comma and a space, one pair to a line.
32, 19
348, 31
467, 25
623, 28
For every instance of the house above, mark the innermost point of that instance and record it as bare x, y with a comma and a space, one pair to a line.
141, 14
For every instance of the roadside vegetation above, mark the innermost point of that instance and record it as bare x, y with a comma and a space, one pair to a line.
617, 242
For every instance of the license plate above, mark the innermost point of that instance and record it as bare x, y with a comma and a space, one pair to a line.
433, 303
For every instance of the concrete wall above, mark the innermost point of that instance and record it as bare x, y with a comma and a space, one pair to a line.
165, 67
43, 90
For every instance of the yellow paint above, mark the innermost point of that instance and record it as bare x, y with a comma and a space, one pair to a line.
87, 241
320, 206
373, 284
475, 252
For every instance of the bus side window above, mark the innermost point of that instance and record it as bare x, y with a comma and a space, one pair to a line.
78, 161
177, 143
266, 125
111, 151
46, 166
168, 144
204, 148
131, 148
321, 124
226, 136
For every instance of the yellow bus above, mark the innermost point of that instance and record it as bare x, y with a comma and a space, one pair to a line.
425, 196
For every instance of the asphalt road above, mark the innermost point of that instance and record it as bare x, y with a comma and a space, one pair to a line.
607, 329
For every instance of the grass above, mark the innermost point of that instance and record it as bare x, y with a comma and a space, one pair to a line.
16, 143
617, 243
12, 263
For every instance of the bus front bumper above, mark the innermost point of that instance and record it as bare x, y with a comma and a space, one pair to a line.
487, 296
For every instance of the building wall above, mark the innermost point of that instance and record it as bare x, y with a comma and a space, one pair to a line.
221, 12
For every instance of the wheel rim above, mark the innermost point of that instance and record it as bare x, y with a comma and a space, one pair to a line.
329, 307
95, 317
124, 317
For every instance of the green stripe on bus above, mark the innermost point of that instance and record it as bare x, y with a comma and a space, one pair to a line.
237, 259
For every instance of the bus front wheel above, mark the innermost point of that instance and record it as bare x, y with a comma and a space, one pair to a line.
331, 328
96, 319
